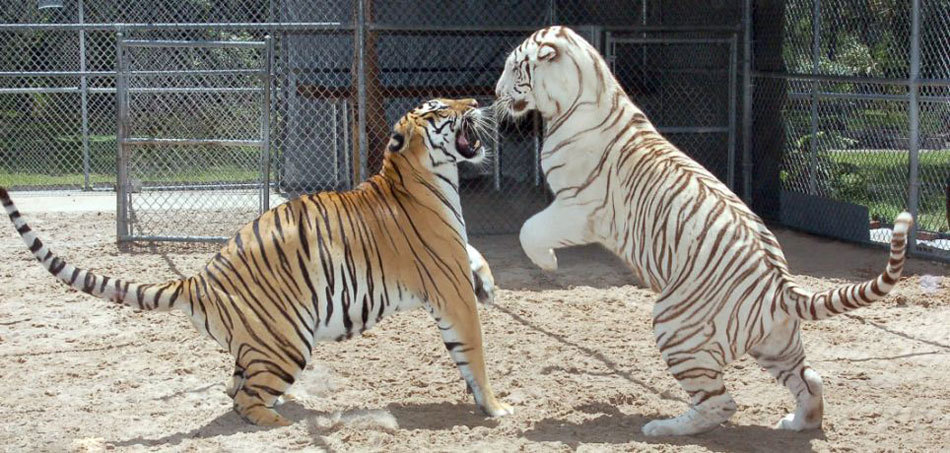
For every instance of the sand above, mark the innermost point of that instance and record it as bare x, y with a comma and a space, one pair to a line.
571, 351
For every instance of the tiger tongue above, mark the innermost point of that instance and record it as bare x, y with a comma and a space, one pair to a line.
461, 142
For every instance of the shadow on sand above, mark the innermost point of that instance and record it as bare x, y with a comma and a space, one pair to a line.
611, 426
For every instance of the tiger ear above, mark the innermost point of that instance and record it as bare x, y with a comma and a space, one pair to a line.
547, 52
396, 141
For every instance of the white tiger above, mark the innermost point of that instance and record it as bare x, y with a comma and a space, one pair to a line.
723, 283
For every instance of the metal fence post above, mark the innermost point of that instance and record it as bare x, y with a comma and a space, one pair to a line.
816, 60
84, 100
122, 107
733, 69
361, 88
747, 102
913, 116
265, 121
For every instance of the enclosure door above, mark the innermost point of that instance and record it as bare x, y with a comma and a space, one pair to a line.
193, 137
687, 88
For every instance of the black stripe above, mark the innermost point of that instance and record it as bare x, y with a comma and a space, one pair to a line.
57, 266
37, 244
451, 345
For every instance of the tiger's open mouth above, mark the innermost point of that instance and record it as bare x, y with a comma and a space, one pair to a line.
466, 141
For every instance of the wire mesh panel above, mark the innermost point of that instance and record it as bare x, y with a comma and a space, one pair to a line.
194, 126
846, 111
687, 87
862, 94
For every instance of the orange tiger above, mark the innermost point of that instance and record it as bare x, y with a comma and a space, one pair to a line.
331, 265
723, 283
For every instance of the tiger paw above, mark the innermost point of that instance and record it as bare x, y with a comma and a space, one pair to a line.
283, 399
793, 423
264, 416
485, 293
545, 259
499, 409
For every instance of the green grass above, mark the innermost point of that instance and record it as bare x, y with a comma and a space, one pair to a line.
878, 179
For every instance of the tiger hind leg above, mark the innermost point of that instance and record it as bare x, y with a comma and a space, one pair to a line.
710, 403
259, 393
782, 355
237, 381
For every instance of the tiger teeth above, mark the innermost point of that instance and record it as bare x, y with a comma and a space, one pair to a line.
477, 144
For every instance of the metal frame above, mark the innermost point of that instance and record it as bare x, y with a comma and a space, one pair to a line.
731, 128
913, 97
126, 142
84, 83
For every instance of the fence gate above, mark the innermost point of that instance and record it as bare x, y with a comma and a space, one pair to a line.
687, 88
193, 138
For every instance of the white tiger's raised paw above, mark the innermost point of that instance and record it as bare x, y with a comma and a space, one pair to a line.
545, 259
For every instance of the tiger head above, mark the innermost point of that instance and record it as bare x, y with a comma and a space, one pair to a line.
440, 131
549, 72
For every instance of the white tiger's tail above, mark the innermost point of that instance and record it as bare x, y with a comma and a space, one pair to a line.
140, 296
825, 304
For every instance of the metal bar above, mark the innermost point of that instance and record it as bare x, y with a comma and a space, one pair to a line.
265, 121
931, 255
131, 238
253, 72
334, 120
933, 98
692, 130
25, 74
361, 87
142, 26
747, 102
347, 152
848, 96
914, 120
673, 40
816, 59
163, 90
197, 89
829, 78
179, 43
122, 107
611, 52
731, 153
141, 141
84, 101
203, 186
452, 28
40, 90
934, 82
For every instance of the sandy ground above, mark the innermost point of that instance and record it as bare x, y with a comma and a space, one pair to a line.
572, 352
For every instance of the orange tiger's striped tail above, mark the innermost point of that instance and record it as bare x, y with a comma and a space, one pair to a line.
140, 296
816, 306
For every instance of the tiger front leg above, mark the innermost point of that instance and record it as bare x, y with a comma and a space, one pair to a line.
461, 331
555, 227
482, 277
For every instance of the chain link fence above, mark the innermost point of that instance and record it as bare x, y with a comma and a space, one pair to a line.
861, 94
826, 115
